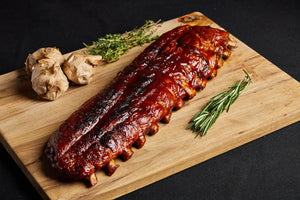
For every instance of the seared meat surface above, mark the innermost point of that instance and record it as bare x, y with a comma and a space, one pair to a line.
144, 93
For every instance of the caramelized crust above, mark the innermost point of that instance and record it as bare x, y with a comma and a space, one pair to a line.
144, 93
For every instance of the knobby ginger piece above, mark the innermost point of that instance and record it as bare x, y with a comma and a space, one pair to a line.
48, 79
48, 52
79, 67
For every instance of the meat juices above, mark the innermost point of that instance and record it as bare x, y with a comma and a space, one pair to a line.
144, 93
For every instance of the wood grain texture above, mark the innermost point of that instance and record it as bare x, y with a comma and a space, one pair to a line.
26, 123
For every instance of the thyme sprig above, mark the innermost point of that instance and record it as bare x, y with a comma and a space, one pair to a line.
203, 120
111, 46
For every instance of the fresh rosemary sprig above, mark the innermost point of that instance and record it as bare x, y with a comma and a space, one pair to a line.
111, 46
203, 120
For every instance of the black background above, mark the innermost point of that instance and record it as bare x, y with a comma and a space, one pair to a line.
267, 168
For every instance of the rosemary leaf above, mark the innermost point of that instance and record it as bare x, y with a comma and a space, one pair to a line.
111, 46
204, 119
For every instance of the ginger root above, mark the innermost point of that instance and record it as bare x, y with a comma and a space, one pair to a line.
79, 67
47, 77
49, 52
48, 80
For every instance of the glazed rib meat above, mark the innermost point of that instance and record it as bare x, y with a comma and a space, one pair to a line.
144, 93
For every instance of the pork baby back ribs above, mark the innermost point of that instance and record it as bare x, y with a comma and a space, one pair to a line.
144, 93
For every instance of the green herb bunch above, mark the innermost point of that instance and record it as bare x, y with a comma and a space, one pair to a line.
111, 46
203, 120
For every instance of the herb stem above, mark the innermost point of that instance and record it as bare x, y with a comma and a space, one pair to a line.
204, 119
111, 46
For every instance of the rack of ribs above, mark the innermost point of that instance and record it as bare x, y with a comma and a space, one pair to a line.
166, 73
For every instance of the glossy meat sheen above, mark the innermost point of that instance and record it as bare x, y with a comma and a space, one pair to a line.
144, 93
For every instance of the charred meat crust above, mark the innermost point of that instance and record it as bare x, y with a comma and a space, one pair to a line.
144, 93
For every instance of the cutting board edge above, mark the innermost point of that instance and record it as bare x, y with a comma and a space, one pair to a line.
23, 167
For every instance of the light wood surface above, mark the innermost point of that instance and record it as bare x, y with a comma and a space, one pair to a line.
271, 102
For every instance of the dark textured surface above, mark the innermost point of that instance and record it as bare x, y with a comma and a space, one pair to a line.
144, 93
267, 168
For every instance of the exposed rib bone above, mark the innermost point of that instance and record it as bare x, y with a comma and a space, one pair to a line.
189, 90
139, 143
93, 179
179, 104
111, 167
232, 43
220, 62
154, 129
226, 53
126, 154
166, 119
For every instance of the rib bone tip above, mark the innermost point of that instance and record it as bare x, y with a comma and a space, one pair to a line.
93, 179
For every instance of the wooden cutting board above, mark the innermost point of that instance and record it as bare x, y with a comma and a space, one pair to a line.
271, 102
